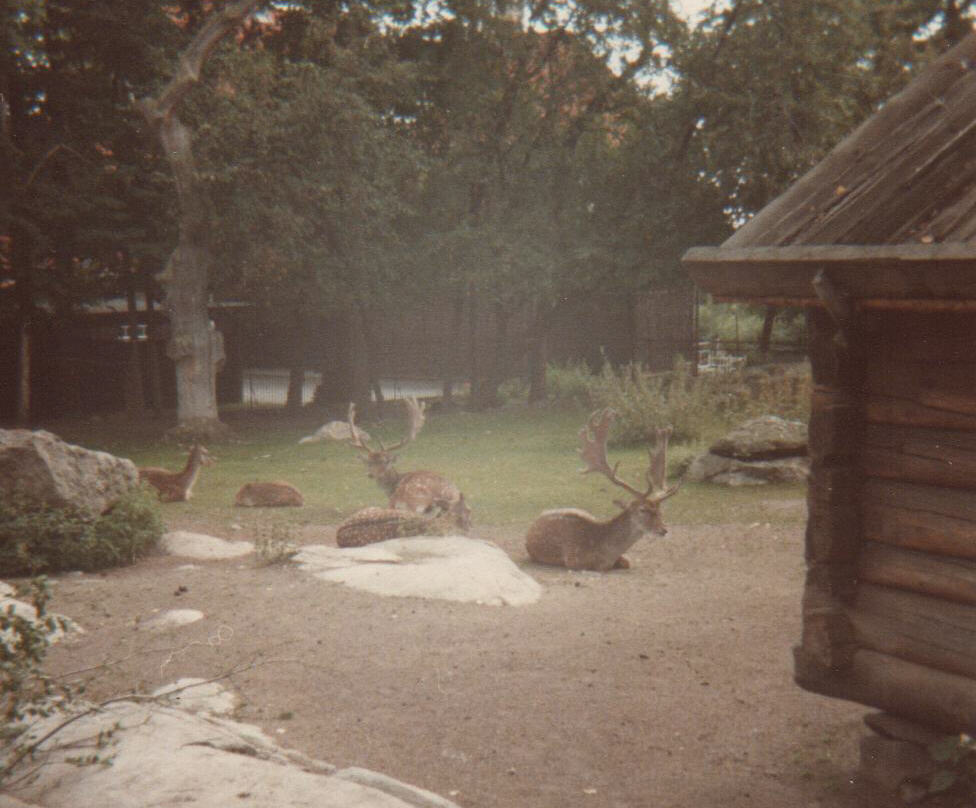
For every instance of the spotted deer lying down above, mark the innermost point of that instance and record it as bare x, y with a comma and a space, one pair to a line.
371, 525
177, 486
277, 494
575, 539
421, 492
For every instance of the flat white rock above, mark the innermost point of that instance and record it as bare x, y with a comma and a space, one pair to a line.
169, 757
444, 567
172, 618
200, 545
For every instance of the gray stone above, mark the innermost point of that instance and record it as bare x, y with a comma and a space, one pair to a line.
49, 472
732, 472
765, 438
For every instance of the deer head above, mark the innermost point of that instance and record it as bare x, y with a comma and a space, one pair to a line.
644, 507
379, 462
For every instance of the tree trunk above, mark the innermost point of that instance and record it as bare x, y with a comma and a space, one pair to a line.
539, 353
451, 352
152, 348
20, 256
296, 387
194, 346
766, 335
487, 393
474, 366
135, 399
372, 351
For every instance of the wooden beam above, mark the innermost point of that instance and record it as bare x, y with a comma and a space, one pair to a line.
926, 630
930, 272
946, 701
939, 576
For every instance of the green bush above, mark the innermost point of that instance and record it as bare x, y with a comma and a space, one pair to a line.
569, 383
36, 540
699, 408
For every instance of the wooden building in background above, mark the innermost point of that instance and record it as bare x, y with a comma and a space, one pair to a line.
879, 243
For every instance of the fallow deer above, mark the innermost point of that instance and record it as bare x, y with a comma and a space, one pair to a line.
574, 539
177, 486
371, 525
422, 492
277, 494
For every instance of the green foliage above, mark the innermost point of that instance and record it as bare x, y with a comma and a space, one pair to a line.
699, 408
48, 539
956, 756
569, 384
25, 691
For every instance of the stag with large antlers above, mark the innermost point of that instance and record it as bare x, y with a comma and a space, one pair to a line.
573, 538
424, 492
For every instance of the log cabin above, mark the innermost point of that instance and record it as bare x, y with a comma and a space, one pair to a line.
878, 244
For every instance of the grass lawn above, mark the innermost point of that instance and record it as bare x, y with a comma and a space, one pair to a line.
510, 463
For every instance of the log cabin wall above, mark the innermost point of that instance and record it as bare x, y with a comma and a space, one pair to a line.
889, 607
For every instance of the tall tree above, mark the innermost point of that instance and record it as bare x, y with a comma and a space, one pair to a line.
195, 346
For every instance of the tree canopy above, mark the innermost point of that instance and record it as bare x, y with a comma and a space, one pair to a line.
358, 154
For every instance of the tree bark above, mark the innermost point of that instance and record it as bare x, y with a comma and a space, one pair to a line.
135, 399
193, 345
539, 353
766, 335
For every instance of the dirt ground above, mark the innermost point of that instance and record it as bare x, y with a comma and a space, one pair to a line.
669, 684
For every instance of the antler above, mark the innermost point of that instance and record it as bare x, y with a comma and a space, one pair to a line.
415, 420
356, 436
593, 450
658, 467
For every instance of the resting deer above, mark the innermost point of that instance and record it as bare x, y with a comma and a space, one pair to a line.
277, 494
371, 525
177, 486
574, 539
424, 492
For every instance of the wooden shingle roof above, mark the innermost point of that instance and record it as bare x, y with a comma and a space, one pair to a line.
890, 212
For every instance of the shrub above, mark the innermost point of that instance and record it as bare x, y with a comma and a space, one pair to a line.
569, 383
49, 539
699, 408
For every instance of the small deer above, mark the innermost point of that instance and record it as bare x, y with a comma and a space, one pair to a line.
277, 494
423, 492
177, 486
574, 539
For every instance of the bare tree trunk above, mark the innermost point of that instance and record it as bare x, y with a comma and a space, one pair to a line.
152, 352
539, 353
193, 346
474, 369
372, 351
766, 335
296, 387
452, 354
20, 256
135, 399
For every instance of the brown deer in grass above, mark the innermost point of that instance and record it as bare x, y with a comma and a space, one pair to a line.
574, 539
423, 492
177, 486
277, 494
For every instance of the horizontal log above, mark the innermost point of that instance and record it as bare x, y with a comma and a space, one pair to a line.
918, 517
922, 455
924, 573
926, 630
902, 271
939, 385
945, 701
898, 337
890, 410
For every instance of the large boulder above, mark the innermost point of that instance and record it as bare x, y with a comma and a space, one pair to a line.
729, 471
765, 438
768, 449
49, 472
